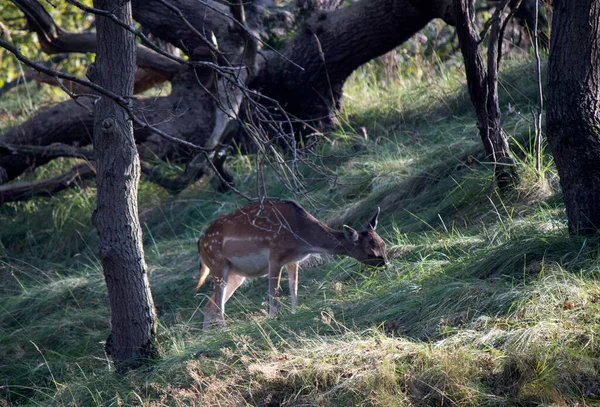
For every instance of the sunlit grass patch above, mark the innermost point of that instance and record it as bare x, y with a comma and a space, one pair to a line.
487, 300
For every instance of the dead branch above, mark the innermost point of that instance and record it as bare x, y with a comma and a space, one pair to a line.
201, 164
23, 191
55, 40
155, 48
194, 170
144, 79
51, 151
121, 101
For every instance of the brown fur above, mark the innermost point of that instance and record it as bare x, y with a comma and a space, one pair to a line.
263, 237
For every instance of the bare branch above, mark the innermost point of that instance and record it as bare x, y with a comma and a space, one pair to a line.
54, 39
132, 29
193, 172
51, 151
121, 101
23, 191
180, 15
241, 25
224, 181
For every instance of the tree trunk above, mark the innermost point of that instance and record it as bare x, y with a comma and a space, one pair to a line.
573, 115
483, 90
328, 48
332, 44
133, 317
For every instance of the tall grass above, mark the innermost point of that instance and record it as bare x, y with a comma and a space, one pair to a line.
487, 301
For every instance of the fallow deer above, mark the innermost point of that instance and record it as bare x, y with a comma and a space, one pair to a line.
261, 238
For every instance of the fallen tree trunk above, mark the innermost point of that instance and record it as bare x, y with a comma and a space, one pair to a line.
331, 45
66, 123
220, 75
23, 191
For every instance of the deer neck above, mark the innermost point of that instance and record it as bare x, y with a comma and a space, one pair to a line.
331, 241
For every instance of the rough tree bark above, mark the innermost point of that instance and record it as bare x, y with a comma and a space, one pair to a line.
133, 317
332, 44
573, 109
192, 89
328, 48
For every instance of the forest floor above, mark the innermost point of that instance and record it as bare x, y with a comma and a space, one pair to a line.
487, 301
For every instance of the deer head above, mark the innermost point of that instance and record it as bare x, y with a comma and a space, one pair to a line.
366, 246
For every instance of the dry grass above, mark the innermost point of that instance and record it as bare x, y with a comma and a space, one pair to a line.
488, 301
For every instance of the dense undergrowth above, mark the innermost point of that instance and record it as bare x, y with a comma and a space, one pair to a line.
487, 302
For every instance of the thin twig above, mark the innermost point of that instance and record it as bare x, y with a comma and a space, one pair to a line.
120, 100
254, 36
538, 116
224, 181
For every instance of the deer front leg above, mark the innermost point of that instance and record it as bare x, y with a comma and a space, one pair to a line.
274, 279
209, 313
292, 270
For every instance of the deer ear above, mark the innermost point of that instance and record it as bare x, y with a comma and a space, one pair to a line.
350, 234
373, 222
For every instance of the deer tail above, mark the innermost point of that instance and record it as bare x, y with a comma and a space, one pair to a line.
204, 271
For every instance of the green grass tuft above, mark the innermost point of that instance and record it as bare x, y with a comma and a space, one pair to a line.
487, 302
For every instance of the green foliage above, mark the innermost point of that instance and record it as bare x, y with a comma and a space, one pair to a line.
65, 15
487, 301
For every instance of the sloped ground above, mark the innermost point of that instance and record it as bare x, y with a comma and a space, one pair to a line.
487, 301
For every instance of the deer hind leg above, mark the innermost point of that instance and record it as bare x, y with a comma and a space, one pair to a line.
235, 280
292, 270
233, 283
214, 310
274, 279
